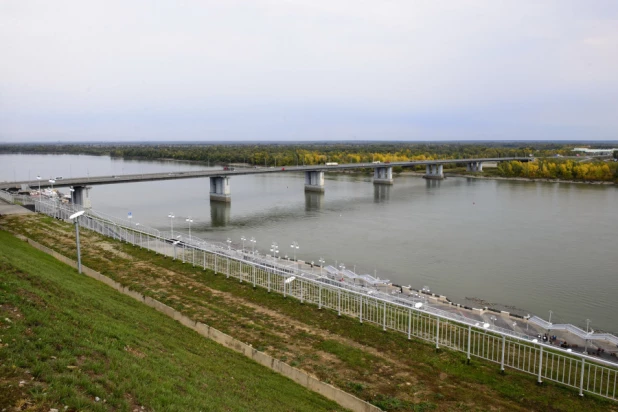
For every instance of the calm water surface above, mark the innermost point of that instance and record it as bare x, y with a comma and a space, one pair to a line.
533, 246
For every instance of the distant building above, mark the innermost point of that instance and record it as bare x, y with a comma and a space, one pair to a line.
595, 152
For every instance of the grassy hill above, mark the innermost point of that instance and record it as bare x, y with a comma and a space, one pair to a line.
383, 368
67, 340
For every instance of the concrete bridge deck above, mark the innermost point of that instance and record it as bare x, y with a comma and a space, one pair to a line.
147, 177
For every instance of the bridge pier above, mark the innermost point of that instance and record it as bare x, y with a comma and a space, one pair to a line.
81, 196
314, 181
220, 189
434, 172
474, 167
383, 175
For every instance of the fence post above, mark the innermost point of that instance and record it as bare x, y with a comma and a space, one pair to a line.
215, 263
384, 317
283, 280
437, 333
268, 280
338, 302
228, 267
469, 341
184, 252
503, 349
193, 256
320, 297
409, 322
301, 291
581, 378
253, 266
360, 315
204, 252
539, 381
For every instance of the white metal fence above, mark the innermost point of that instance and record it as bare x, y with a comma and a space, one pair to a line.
443, 329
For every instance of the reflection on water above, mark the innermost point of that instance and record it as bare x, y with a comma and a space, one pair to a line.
381, 193
314, 201
220, 213
432, 183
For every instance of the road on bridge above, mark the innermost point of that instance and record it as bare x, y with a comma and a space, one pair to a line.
146, 177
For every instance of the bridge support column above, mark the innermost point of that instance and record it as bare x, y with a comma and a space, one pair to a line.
383, 175
434, 172
220, 189
314, 181
474, 167
81, 196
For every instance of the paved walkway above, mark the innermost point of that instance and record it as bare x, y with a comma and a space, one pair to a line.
10, 209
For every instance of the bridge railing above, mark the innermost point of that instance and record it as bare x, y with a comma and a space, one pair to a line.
441, 328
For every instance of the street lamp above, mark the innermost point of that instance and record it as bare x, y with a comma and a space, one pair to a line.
322, 261
171, 216
253, 242
175, 242
39, 179
550, 312
189, 220
274, 249
242, 238
587, 328
294, 247
229, 243
75, 217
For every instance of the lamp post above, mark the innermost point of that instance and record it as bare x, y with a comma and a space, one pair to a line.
229, 243
294, 247
253, 242
550, 312
322, 261
39, 179
587, 328
189, 220
274, 249
171, 216
75, 218
175, 242
242, 238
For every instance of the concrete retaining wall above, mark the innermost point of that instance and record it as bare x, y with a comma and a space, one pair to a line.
344, 399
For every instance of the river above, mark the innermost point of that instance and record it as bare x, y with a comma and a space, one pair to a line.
529, 247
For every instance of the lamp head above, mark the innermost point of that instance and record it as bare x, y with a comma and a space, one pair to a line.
76, 215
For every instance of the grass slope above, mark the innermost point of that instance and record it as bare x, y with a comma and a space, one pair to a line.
67, 339
381, 367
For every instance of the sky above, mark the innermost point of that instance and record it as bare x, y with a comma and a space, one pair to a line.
298, 70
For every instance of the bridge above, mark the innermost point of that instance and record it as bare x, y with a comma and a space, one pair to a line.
220, 179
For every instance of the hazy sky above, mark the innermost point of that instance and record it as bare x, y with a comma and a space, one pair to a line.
308, 70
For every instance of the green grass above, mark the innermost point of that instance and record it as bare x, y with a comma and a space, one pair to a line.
70, 340
358, 358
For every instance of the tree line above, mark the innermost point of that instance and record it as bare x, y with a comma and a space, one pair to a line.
560, 169
270, 154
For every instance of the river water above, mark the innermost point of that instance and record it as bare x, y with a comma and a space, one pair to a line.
529, 247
